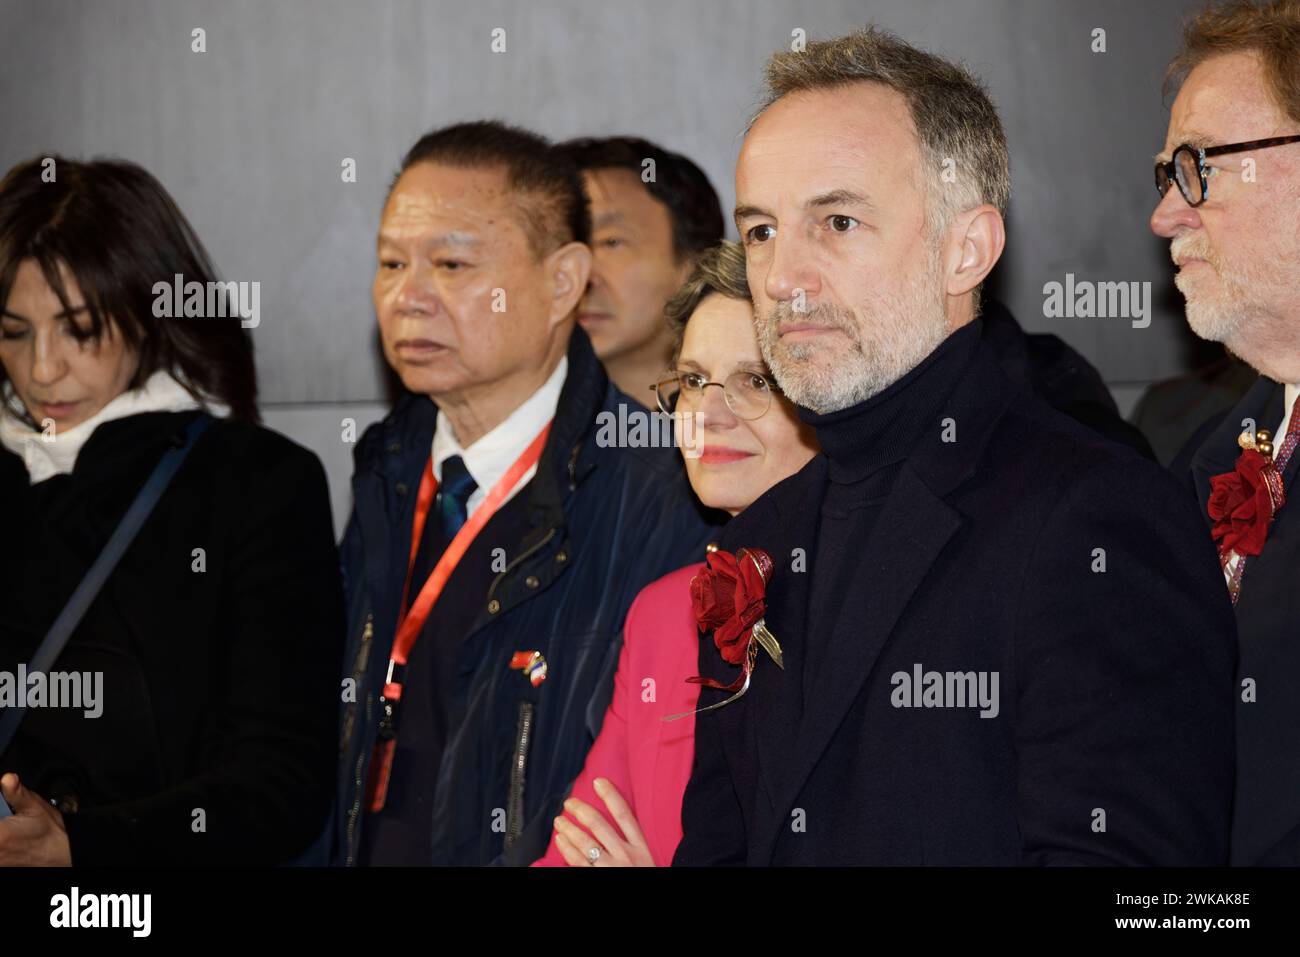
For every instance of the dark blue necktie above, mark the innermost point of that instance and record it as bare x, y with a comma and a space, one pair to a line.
454, 490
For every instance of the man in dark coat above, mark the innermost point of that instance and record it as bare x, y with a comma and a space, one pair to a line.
1002, 636
1059, 375
1236, 243
463, 752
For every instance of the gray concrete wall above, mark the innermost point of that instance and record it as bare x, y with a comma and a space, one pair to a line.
249, 136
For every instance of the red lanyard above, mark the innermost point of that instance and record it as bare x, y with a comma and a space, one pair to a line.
411, 623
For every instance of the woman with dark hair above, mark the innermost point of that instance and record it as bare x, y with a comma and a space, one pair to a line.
199, 692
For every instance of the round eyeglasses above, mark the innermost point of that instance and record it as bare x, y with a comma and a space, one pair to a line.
1187, 169
748, 394
1187, 166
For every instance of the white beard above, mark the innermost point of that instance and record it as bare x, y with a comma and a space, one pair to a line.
1241, 311
1219, 317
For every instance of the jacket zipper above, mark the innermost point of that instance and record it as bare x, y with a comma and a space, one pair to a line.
519, 764
358, 677
363, 658
518, 767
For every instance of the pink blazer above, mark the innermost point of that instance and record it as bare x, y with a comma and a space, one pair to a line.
646, 758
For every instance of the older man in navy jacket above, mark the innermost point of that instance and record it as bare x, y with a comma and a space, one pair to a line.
1004, 639
495, 545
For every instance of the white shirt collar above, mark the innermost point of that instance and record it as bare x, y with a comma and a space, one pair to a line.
490, 457
56, 454
1289, 393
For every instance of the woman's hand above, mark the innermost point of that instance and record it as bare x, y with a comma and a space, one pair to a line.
34, 836
603, 847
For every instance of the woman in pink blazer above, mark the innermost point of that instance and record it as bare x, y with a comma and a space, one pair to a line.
738, 441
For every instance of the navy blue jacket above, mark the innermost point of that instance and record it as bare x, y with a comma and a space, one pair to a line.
1266, 812
604, 522
1115, 686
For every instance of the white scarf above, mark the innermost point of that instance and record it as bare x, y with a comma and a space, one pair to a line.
49, 455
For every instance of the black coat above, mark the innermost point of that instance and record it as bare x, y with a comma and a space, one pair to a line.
1115, 686
1266, 814
221, 687
1059, 375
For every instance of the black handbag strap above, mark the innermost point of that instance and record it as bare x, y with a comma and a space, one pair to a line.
127, 529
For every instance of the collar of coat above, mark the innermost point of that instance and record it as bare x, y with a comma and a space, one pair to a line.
1218, 453
405, 435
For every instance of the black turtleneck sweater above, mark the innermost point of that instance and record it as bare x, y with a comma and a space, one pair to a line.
865, 445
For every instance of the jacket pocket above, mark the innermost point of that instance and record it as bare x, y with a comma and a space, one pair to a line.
518, 774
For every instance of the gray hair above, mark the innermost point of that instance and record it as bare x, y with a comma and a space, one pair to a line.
953, 115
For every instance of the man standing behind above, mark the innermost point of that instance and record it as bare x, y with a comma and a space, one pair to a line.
652, 212
1007, 646
494, 547
1230, 206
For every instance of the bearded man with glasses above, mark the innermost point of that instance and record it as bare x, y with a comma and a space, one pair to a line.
1233, 151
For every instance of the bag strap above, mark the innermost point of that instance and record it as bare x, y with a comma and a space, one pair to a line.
127, 529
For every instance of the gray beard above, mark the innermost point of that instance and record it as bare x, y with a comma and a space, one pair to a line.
877, 348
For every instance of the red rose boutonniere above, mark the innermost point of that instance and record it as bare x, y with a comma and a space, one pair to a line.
729, 598
1243, 502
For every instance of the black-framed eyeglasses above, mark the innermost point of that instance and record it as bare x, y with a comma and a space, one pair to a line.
1187, 166
748, 394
